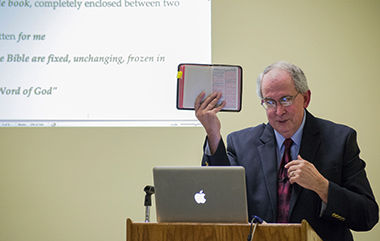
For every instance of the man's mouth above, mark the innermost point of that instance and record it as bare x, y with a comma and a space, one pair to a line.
282, 121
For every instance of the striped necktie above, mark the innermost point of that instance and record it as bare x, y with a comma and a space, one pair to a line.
284, 186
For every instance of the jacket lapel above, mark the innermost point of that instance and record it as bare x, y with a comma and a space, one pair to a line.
309, 146
268, 158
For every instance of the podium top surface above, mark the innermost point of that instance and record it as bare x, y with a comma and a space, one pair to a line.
140, 231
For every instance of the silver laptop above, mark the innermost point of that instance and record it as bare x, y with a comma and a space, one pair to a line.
200, 194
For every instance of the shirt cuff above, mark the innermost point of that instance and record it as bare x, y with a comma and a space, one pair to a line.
323, 208
207, 149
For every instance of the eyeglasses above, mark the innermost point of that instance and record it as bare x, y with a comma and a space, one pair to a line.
284, 101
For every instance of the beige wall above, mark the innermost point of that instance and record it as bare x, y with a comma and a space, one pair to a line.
82, 183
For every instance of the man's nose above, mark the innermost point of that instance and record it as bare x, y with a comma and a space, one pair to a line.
280, 109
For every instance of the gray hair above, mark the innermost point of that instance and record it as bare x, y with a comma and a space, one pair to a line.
295, 72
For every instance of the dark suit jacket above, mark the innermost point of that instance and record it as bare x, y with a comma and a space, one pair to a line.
333, 150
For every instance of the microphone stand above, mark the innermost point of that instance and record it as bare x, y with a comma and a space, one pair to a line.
149, 190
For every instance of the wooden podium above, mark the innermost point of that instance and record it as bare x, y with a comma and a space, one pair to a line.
218, 232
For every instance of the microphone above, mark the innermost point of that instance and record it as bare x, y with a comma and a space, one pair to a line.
255, 219
149, 190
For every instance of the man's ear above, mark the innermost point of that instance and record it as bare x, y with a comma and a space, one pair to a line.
306, 98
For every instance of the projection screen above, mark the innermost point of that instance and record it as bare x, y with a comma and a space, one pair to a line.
98, 62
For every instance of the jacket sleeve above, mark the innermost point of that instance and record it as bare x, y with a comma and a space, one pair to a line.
219, 158
351, 201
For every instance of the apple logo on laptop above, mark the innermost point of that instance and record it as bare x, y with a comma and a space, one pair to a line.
200, 197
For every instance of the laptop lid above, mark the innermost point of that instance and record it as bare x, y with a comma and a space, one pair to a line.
200, 194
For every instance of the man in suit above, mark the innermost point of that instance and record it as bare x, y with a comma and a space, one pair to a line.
317, 176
